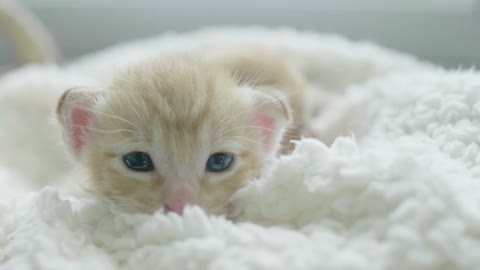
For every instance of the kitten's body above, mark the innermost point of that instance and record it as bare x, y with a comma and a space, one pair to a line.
181, 109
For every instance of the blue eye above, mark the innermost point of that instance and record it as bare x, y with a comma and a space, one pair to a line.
138, 161
219, 162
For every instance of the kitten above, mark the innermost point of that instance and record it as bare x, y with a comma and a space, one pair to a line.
185, 129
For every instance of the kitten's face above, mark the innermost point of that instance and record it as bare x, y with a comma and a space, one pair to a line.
174, 134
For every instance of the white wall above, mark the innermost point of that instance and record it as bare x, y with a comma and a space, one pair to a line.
443, 31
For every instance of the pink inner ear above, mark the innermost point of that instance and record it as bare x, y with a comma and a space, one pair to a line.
266, 123
80, 119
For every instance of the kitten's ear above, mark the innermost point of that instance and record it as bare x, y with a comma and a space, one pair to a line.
75, 112
271, 116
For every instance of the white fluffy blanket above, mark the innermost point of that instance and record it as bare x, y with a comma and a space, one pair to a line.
402, 193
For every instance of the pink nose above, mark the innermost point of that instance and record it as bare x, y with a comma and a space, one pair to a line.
178, 196
175, 207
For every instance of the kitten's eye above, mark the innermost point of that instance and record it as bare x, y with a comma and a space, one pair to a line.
138, 161
219, 162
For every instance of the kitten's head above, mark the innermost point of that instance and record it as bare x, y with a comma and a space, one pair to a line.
172, 133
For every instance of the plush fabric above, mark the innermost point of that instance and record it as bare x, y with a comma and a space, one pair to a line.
400, 192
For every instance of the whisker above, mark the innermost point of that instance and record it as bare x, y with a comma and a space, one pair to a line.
285, 134
247, 139
108, 115
134, 109
123, 142
230, 120
114, 130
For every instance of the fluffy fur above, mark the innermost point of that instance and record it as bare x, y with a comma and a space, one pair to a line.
401, 195
181, 109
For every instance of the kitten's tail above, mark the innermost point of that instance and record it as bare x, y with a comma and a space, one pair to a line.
28, 38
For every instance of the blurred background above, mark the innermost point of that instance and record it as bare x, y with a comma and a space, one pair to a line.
446, 32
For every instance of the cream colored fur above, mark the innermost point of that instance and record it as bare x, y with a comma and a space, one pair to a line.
181, 109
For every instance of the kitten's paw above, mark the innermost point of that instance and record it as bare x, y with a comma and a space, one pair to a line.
234, 211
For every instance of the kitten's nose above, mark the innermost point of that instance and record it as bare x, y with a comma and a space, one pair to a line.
178, 197
177, 208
